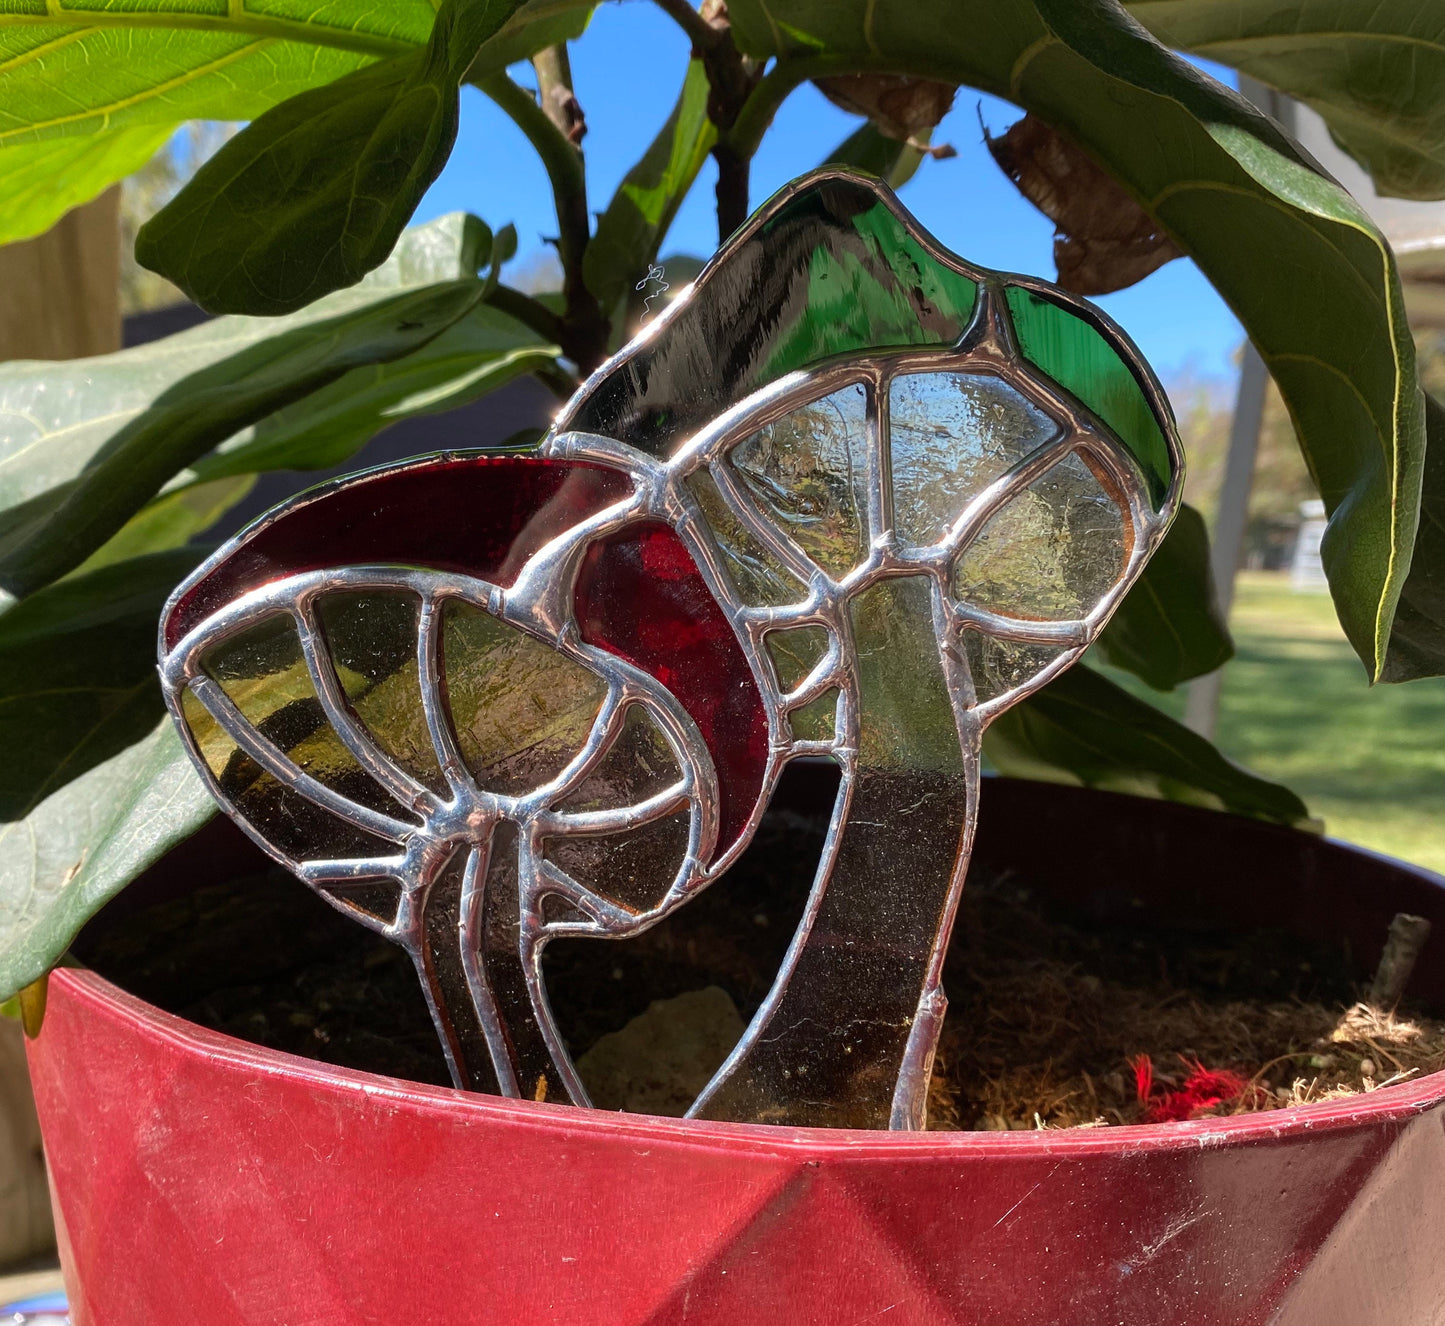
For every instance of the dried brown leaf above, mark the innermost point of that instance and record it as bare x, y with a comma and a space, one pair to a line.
902, 108
1103, 239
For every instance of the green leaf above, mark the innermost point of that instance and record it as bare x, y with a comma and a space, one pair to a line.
78, 674
314, 194
53, 530
82, 845
1296, 258
1417, 645
535, 26
40, 182
91, 90
893, 161
636, 220
1082, 728
1374, 69
482, 351
1168, 628
171, 520
58, 419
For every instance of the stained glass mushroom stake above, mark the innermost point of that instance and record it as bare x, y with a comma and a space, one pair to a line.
847, 496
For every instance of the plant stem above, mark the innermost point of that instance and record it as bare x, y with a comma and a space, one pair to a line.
562, 161
704, 36
583, 328
528, 311
756, 113
733, 171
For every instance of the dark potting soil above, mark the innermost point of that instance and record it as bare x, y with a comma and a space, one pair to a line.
1048, 1019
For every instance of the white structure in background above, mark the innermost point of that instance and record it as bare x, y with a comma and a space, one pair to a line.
1416, 232
1306, 571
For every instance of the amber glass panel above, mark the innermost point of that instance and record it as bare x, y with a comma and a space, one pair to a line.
372, 639
1052, 553
818, 719
951, 435
520, 708
264, 673
808, 473
796, 652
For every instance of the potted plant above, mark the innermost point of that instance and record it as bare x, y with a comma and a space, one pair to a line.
260, 1172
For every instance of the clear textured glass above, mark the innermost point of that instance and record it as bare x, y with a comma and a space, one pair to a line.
1000, 666
520, 708
808, 474
756, 574
1051, 553
952, 435
830, 1052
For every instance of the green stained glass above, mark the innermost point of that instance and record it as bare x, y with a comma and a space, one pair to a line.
885, 290
831, 271
1082, 360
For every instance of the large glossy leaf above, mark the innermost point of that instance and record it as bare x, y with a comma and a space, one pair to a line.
1374, 69
1417, 645
314, 194
92, 89
1234, 193
1083, 728
77, 674
891, 159
630, 230
99, 81
62, 424
482, 351
56, 530
171, 520
1169, 628
83, 844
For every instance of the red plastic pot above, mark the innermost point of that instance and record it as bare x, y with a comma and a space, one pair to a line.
201, 1181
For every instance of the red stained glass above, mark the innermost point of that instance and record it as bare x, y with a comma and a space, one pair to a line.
640, 596
479, 515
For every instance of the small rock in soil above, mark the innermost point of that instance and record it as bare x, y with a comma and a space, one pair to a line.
662, 1059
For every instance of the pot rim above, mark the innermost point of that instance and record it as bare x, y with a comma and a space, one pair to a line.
95, 996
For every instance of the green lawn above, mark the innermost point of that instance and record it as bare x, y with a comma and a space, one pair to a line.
1369, 761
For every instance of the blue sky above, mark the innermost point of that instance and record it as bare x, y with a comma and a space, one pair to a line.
627, 70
